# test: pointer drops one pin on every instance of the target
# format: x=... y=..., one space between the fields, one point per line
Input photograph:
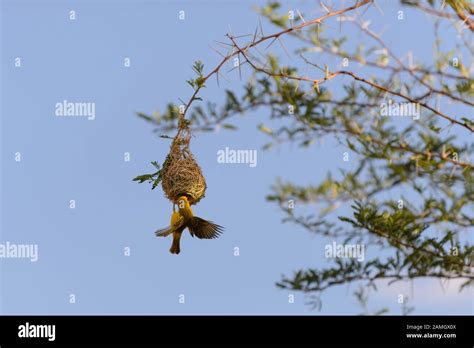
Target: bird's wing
x=164 y=232
x=204 y=229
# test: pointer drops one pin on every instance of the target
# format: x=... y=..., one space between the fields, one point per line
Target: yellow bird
x=184 y=218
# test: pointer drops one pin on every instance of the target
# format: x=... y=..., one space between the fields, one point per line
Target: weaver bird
x=184 y=218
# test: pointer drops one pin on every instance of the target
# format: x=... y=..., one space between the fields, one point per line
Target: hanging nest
x=181 y=174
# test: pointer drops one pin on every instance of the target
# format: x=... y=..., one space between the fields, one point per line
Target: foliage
x=423 y=237
x=154 y=178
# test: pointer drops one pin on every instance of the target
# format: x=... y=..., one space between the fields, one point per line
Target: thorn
x=254 y=58
x=259 y=52
x=271 y=43
x=366 y=9
x=300 y=15
x=261 y=27
x=218 y=73
x=284 y=48
x=235 y=67
x=324 y=6
x=378 y=8
x=215 y=50
x=223 y=43
x=240 y=36
x=255 y=35
x=310 y=63
x=240 y=69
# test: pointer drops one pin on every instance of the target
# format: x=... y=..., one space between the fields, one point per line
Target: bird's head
x=183 y=202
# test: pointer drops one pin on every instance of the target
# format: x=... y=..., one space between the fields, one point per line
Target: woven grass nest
x=181 y=174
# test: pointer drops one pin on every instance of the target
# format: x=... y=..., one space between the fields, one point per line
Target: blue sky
x=81 y=251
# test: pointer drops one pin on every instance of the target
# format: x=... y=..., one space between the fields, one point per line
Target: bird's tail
x=175 y=246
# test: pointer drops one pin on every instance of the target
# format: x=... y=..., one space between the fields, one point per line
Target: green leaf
x=229 y=126
x=191 y=83
x=145 y=116
x=142 y=178
x=265 y=129
x=465 y=87
x=153 y=177
x=198 y=67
